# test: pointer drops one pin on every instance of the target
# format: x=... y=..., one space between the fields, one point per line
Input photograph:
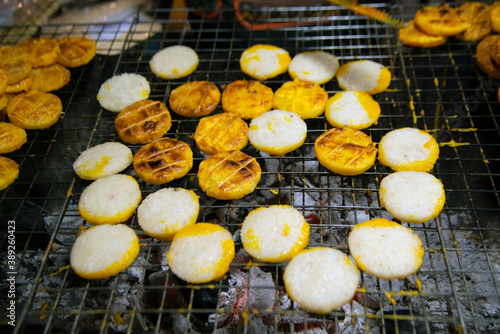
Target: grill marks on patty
x=143 y=121
x=243 y=169
x=229 y=175
x=345 y=151
x=163 y=160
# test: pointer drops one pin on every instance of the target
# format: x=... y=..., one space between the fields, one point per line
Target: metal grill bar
x=440 y=90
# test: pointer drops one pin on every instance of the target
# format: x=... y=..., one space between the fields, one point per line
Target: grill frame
x=43 y=201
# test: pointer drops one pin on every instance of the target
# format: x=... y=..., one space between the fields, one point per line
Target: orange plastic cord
x=258 y=26
x=210 y=15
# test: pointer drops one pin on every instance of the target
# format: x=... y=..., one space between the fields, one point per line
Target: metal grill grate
x=439 y=90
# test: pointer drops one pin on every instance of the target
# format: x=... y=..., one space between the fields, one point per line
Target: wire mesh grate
x=439 y=90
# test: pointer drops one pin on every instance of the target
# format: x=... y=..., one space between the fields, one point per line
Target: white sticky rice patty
x=413 y=197
x=104 y=250
x=315 y=66
x=202 y=255
x=264 y=61
x=277 y=132
x=122 y=90
x=102 y=160
x=406 y=145
x=174 y=62
x=348 y=111
x=321 y=279
x=360 y=75
x=110 y=200
x=164 y=212
x=275 y=233
x=385 y=249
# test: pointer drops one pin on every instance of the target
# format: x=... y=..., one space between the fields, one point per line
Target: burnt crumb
x=245 y=160
x=155 y=163
x=149 y=125
x=153 y=149
x=245 y=172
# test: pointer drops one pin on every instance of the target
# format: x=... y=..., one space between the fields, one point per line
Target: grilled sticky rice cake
x=442 y=20
x=264 y=61
x=321 y=279
x=159 y=215
x=305 y=98
x=195 y=99
x=103 y=251
x=274 y=234
x=495 y=52
x=76 y=51
x=345 y=151
x=174 y=62
x=364 y=76
x=15 y=62
x=50 y=78
x=22 y=86
x=201 y=253
x=4 y=99
x=316 y=66
x=277 y=132
x=413 y=197
x=11 y=137
x=484 y=59
x=43 y=51
x=34 y=109
x=229 y=175
x=4 y=81
x=163 y=160
x=385 y=249
x=143 y=121
x=102 y=160
x=495 y=16
x=408 y=149
x=221 y=133
x=357 y=110
x=110 y=200
x=120 y=91
x=478 y=16
x=247 y=99
x=414 y=36
x=9 y=171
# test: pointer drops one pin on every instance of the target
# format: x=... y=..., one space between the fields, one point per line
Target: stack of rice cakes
x=28 y=72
